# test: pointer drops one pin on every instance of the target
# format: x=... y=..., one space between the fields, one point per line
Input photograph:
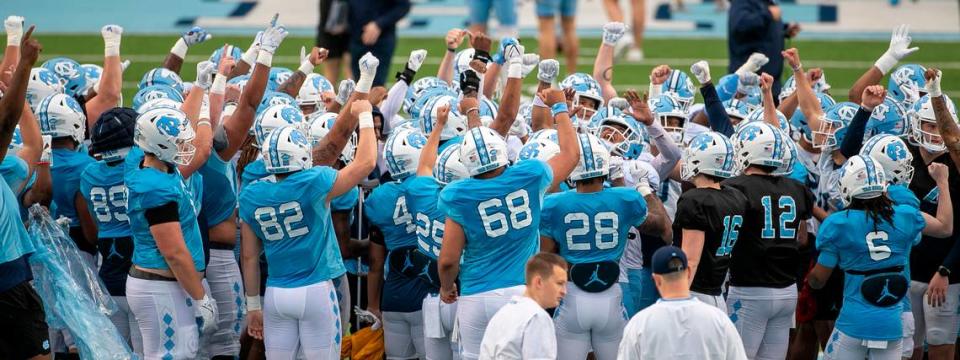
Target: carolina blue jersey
x=849 y=240
x=500 y=218
x=901 y=195
x=106 y=194
x=800 y=173
x=592 y=227
x=219 y=189
x=454 y=140
x=14 y=240
x=422 y=195
x=386 y=207
x=347 y=201
x=254 y=171
x=14 y=171
x=292 y=217
x=195 y=187
x=148 y=188
x=65 y=170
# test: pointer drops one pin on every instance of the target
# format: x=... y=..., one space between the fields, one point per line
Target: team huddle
x=222 y=211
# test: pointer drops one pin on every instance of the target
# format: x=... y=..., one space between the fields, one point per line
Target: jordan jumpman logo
x=886 y=291
x=113 y=251
x=426 y=273
x=406 y=263
x=596 y=277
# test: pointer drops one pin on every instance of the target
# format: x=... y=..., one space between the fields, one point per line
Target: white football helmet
x=541 y=149
x=161 y=102
x=166 y=133
x=286 y=149
x=402 y=152
x=548 y=134
x=61 y=116
x=320 y=125
x=922 y=113
x=311 y=93
x=757 y=115
x=709 y=153
x=789 y=159
x=43 y=82
x=456 y=122
x=892 y=154
x=483 y=150
x=861 y=178
x=275 y=117
x=449 y=168
x=759 y=143
x=594 y=159
x=162 y=76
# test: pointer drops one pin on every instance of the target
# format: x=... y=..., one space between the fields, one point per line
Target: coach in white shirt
x=522 y=329
x=678 y=326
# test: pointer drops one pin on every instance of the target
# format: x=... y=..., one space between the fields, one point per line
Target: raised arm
x=108 y=89
x=249 y=58
x=366 y=158
x=658 y=76
x=199 y=116
x=941 y=226
x=805 y=96
x=391 y=105
x=547 y=72
x=670 y=153
x=872 y=97
x=328 y=150
x=946 y=122
x=178 y=52
x=716 y=114
x=899 y=48
x=428 y=156
x=453 y=40
x=13 y=26
x=564 y=162
x=603 y=64
x=13 y=101
x=307 y=62
x=510 y=101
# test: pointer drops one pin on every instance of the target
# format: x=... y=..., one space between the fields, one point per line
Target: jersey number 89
x=109 y=203
x=495 y=221
x=288 y=213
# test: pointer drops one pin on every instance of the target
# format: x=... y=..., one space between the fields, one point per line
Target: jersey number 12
x=788 y=213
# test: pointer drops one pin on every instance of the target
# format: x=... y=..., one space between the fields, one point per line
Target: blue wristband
x=557 y=108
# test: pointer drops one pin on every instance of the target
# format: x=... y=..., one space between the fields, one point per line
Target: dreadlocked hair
x=878 y=209
x=248 y=154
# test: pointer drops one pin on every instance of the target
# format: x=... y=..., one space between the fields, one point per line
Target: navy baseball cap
x=662 y=258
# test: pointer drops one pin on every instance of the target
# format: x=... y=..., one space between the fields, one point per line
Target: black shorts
x=337 y=45
x=24 y=331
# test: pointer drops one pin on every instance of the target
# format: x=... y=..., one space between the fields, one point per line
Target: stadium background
x=843 y=37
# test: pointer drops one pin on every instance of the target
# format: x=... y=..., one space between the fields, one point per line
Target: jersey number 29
x=288 y=213
x=495 y=220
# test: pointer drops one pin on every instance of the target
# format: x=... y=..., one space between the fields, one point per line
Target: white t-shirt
x=681 y=329
x=519 y=330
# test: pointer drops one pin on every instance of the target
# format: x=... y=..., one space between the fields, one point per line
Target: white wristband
x=644 y=190
x=364 y=84
x=265 y=58
x=253 y=303
x=515 y=70
x=180 y=49
x=250 y=56
x=306 y=67
x=366 y=120
x=885 y=63
x=219 y=84
x=14 y=39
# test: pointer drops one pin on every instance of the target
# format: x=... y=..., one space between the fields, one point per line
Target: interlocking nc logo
x=750 y=133
x=896 y=151
x=169 y=125
x=66 y=69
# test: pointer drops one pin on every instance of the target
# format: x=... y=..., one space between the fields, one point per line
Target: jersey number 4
x=788 y=213
x=288 y=213
x=494 y=219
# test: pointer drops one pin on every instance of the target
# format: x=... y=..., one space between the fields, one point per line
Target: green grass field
x=842 y=61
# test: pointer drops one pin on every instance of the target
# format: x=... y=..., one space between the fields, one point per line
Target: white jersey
x=632 y=169
x=514 y=144
x=519 y=330
x=680 y=329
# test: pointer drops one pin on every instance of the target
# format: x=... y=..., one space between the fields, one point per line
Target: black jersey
x=766 y=254
x=932 y=252
x=719 y=214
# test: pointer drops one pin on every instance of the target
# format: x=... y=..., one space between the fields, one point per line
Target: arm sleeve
x=391 y=106
x=719 y=121
x=540 y=339
x=670 y=153
x=162 y=214
x=748 y=18
x=854 y=139
x=393 y=14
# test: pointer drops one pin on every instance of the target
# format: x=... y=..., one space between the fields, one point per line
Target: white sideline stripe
x=834 y=64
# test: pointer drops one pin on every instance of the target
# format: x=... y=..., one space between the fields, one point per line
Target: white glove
x=613 y=31
x=619 y=103
x=111 y=39
x=368 y=70
x=205 y=71
x=899 y=49
x=513 y=51
x=250 y=56
x=125 y=64
x=14 y=27
x=639 y=173
x=616 y=167
x=46 y=155
x=747 y=81
x=415 y=60
x=548 y=70
x=271 y=38
x=345 y=90
x=195 y=36
x=530 y=62
x=701 y=70
x=933 y=85
x=518 y=129
x=753 y=63
x=205 y=311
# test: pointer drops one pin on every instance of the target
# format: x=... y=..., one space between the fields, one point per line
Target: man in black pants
x=372 y=27
x=335 y=40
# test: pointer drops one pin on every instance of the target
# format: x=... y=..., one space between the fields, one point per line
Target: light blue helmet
x=906 y=84
x=162 y=76
x=402 y=152
x=584 y=86
x=680 y=88
x=239 y=81
x=887 y=118
x=274 y=117
x=727 y=86
x=542 y=149
x=70 y=74
x=799 y=122
x=235 y=53
x=92 y=72
x=753 y=98
x=833 y=125
x=603 y=112
x=757 y=115
x=277 y=76
x=271 y=98
x=419 y=87
x=154 y=92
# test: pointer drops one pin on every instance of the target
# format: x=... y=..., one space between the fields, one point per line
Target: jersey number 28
x=605 y=225
x=288 y=213
x=494 y=219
